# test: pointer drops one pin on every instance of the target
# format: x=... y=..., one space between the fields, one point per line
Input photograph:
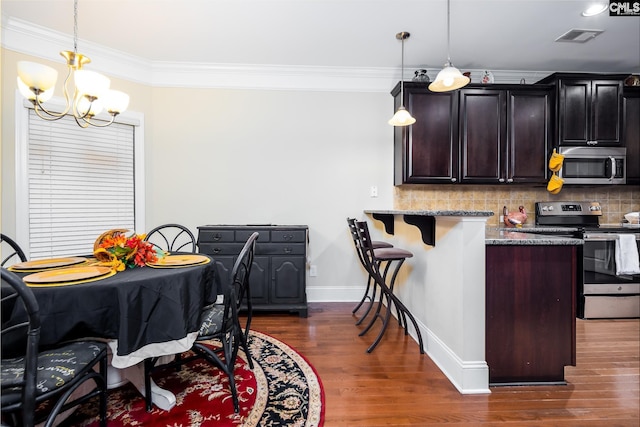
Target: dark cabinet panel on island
x=530 y=313
x=278 y=274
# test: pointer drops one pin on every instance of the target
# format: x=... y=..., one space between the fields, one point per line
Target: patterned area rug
x=282 y=390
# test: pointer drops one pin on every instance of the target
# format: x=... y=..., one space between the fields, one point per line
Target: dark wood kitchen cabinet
x=278 y=275
x=505 y=134
x=530 y=312
x=589 y=109
x=631 y=132
x=427 y=151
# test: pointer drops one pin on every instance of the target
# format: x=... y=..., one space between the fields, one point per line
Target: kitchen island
x=445 y=283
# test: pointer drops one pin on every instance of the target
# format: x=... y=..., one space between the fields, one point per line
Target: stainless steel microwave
x=593 y=165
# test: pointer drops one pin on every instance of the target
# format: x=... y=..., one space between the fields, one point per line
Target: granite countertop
x=539 y=229
x=438 y=212
x=494 y=236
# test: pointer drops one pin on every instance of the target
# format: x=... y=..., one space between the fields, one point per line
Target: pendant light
x=449 y=78
x=91 y=93
x=402 y=117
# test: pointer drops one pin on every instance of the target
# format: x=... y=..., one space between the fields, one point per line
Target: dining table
x=141 y=312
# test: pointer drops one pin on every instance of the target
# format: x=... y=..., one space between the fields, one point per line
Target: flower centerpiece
x=113 y=248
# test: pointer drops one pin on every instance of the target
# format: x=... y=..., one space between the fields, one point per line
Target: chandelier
x=91 y=95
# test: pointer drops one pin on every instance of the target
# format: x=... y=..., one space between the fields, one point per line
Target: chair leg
x=372 y=299
x=385 y=323
x=103 y=393
x=379 y=307
x=364 y=297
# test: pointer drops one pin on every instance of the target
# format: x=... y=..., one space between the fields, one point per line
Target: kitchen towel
x=627 y=255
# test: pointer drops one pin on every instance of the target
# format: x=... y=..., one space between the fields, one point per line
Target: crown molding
x=30 y=39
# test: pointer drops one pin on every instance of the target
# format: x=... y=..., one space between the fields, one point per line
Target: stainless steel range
x=603 y=291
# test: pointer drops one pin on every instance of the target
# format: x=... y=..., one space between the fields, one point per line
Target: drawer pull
x=217 y=250
x=288 y=250
x=217 y=236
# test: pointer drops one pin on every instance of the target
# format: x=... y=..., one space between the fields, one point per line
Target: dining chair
x=373 y=259
x=172 y=238
x=370 y=291
x=30 y=375
x=11 y=251
x=220 y=323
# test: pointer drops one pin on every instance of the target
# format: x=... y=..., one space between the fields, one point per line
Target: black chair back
x=18 y=296
x=172 y=238
x=240 y=274
x=11 y=251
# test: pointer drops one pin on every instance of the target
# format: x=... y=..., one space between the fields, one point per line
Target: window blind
x=81 y=184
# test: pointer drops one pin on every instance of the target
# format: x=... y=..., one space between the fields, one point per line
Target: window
x=73 y=184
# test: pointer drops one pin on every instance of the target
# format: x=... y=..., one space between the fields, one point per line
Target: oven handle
x=604 y=237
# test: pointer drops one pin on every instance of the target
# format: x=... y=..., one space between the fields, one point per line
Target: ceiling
x=353 y=34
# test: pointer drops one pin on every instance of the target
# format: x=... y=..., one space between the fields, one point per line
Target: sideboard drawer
x=281 y=249
x=206 y=236
x=288 y=236
x=213 y=249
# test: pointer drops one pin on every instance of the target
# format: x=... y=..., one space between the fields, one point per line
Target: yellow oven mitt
x=555 y=162
x=555 y=184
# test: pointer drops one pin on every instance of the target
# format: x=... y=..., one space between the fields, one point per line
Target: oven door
x=605 y=293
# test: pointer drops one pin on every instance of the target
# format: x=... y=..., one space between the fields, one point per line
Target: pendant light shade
x=450 y=78
x=402 y=117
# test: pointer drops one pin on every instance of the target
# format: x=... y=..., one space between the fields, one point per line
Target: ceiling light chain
x=36 y=82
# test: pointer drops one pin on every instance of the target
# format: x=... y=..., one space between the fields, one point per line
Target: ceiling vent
x=579 y=36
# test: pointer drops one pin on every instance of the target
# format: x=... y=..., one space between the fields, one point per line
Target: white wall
x=217 y=156
x=277 y=157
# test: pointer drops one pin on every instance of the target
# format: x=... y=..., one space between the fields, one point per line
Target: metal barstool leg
x=379 y=307
x=388 y=292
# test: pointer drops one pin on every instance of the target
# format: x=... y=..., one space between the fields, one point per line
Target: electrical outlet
x=374 y=191
x=313 y=270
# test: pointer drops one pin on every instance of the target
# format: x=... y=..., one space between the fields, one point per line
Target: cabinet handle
x=453 y=179
x=510 y=180
x=500 y=179
x=288 y=250
x=287 y=236
x=217 y=236
x=216 y=250
x=592 y=142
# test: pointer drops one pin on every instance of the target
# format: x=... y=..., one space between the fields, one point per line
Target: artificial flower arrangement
x=114 y=249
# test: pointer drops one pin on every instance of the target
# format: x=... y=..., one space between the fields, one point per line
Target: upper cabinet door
x=631 y=133
x=589 y=112
x=529 y=135
x=426 y=152
x=482 y=128
x=574 y=112
x=606 y=104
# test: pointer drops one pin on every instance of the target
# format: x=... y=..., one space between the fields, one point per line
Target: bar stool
x=370 y=291
x=373 y=259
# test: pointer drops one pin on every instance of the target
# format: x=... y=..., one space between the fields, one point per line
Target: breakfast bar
x=451 y=287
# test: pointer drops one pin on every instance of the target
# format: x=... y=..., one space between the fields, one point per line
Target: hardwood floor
x=396 y=386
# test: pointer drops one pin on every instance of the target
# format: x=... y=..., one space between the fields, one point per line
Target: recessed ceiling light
x=595 y=9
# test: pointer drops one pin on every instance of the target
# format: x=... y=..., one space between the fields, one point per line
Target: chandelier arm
x=89 y=121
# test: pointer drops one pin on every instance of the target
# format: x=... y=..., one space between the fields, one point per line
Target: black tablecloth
x=137 y=307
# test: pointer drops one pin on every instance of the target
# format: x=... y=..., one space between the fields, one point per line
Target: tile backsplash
x=615 y=200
